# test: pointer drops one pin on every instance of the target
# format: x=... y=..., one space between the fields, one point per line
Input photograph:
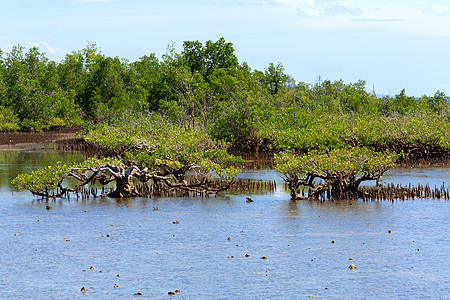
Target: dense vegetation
x=205 y=87
x=164 y=117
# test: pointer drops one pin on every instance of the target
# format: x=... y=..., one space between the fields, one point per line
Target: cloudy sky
x=392 y=44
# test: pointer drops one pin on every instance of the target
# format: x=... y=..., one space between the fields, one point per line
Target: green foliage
x=212 y=56
x=42 y=179
x=338 y=172
x=8 y=119
x=29 y=88
x=47 y=179
x=355 y=161
x=152 y=142
x=324 y=132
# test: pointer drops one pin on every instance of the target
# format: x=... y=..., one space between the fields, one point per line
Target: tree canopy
x=338 y=172
x=203 y=86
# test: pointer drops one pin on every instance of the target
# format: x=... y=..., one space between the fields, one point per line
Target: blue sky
x=392 y=44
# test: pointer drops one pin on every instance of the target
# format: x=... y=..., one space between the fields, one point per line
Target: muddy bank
x=10 y=140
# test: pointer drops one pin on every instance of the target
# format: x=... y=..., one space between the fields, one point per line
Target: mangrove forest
x=185 y=120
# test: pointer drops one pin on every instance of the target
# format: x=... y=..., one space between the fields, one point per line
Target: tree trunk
x=124 y=188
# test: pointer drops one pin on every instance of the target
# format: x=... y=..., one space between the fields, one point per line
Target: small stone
x=247 y=255
x=92 y=268
x=263 y=257
x=389 y=231
x=84 y=290
x=118 y=275
x=107 y=235
x=138 y=294
x=38 y=220
x=86 y=211
x=350 y=258
x=352 y=266
x=332 y=242
x=48 y=207
x=229 y=238
x=176 y=222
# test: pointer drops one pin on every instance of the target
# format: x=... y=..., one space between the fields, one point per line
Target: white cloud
x=55 y=53
x=439 y=8
x=313 y=8
x=317 y=8
x=417 y=17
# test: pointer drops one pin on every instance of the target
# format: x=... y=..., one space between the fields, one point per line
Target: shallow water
x=47 y=254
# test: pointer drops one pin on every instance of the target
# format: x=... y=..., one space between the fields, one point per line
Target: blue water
x=47 y=254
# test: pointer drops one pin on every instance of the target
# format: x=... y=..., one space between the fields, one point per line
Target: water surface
x=401 y=248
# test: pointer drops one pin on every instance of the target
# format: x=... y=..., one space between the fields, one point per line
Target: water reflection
x=433 y=176
x=13 y=163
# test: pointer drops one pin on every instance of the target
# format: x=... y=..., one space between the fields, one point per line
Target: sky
x=391 y=44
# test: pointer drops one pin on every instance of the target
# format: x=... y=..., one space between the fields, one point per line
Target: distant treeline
x=205 y=87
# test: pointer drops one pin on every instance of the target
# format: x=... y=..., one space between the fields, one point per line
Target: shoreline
x=67 y=140
x=19 y=140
